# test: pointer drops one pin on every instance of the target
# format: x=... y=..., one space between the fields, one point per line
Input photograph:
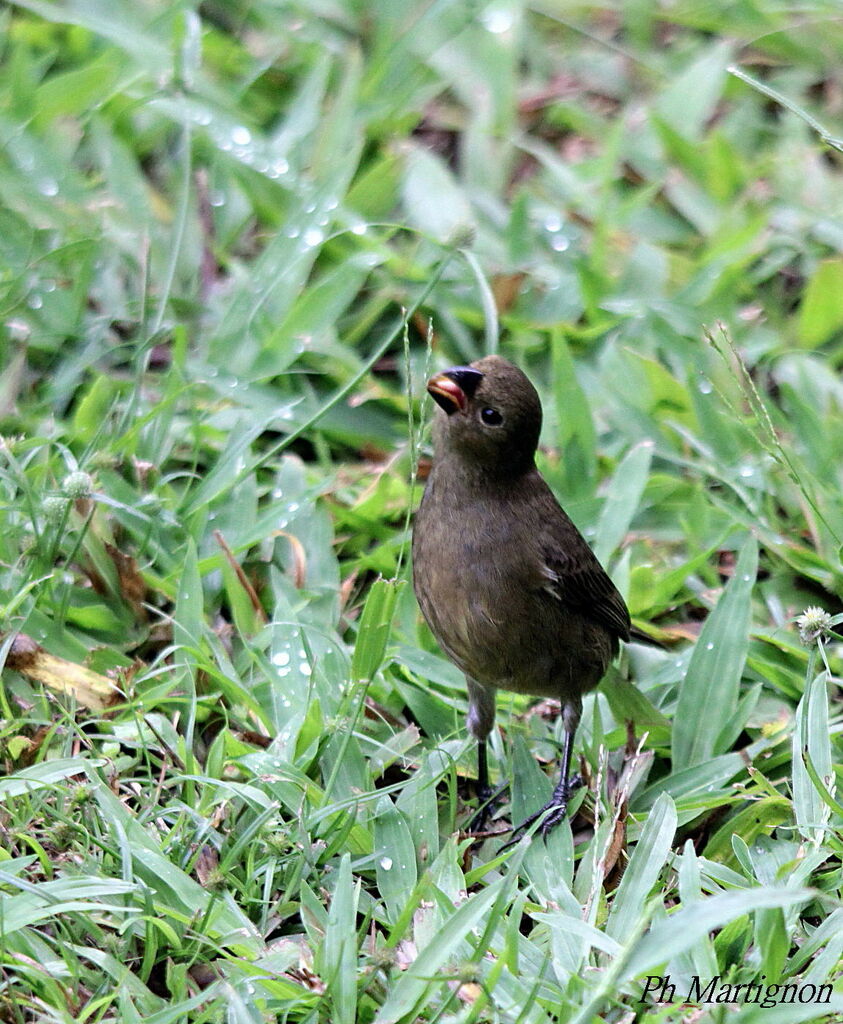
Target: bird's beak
x=453 y=389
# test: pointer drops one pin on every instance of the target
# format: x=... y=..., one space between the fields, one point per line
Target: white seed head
x=813 y=624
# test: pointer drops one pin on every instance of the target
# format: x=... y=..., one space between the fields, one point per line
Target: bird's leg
x=558 y=803
x=554 y=810
x=487 y=797
x=481 y=717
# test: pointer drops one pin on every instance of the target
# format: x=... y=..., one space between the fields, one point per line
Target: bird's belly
x=527 y=645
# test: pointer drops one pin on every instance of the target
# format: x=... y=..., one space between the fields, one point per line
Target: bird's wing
x=570 y=570
x=580 y=582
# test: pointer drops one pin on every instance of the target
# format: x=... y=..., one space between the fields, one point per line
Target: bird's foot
x=552 y=813
x=488 y=799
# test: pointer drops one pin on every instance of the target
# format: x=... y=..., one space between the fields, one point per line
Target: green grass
x=234 y=237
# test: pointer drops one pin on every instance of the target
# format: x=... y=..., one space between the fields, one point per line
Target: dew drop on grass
x=35 y=302
x=48 y=187
x=305 y=668
x=313 y=237
x=709 y=646
x=705 y=386
x=559 y=243
x=386 y=863
x=281 y=658
x=498 y=20
x=553 y=223
x=746 y=471
x=241 y=136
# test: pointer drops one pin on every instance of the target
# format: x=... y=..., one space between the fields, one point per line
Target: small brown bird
x=508 y=585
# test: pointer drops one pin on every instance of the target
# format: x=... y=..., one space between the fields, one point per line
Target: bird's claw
x=553 y=812
x=488 y=799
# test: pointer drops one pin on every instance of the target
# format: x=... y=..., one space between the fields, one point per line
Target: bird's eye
x=491 y=417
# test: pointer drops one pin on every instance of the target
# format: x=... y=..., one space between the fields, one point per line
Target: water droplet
x=359 y=228
x=49 y=285
x=293 y=507
x=746 y=578
x=202 y=117
x=386 y=863
x=48 y=187
x=241 y=136
x=747 y=471
x=705 y=386
x=305 y=668
x=35 y=302
x=291 y=231
x=497 y=20
x=313 y=237
x=709 y=646
x=281 y=658
x=553 y=223
x=285 y=671
x=280 y=167
x=217 y=199
x=559 y=243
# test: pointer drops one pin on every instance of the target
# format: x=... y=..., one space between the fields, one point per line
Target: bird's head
x=491 y=415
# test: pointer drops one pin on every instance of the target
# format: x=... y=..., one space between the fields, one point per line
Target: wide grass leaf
x=622 y=499
x=375 y=626
x=338 y=961
x=811 y=740
x=38 y=776
x=410 y=991
x=709 y=694
x=647 y=860
x=681 y=931
x=395 y=857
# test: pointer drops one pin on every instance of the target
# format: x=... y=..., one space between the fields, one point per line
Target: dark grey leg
x=554 y=810
x=481 y=718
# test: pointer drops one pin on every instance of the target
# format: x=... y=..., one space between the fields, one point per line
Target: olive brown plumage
x=509 y=587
